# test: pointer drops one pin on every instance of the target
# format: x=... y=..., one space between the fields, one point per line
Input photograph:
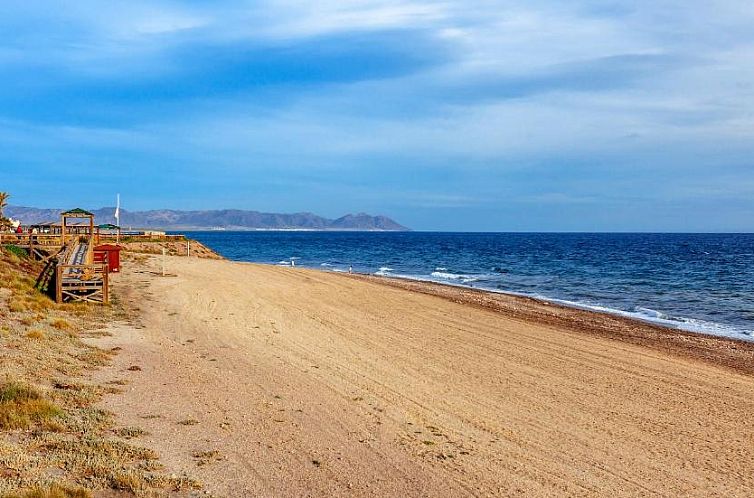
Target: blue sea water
x=696 y=282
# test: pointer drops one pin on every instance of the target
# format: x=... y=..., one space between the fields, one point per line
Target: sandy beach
x=269 y=381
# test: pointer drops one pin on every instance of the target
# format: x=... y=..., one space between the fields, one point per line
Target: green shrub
x=15 y=250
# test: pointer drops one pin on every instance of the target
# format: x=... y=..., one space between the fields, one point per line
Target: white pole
x=188 y=248
x=117 y=219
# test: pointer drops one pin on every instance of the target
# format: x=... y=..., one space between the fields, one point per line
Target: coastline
x=737 y=354
x=676 y=280
x=668 y=324
x=270 y=381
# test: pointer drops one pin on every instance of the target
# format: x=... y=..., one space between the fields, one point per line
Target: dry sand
x=309 y=383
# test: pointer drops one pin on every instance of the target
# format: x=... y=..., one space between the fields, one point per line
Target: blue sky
x=446 y=115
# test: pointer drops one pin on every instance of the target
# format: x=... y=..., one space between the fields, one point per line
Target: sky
x=446 y=115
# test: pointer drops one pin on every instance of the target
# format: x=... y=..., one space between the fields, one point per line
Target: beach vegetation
x=22 y=405
x=35 y=334
x=206 y=457
x=52 y=491
x=17 y=307
x=14 y=250
x=130 y=432
x=48 y=413
x=61 y=324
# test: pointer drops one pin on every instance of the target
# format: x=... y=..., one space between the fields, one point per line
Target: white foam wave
x=384 y=271
x=455 y=276
x=658 y=318
x=639 y=313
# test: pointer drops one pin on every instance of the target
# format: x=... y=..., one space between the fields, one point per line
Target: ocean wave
x=650 y=313
x=657 y=317
x=456 y=276
x=639 y=313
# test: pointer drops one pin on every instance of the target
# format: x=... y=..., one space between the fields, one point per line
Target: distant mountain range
x=228 y=219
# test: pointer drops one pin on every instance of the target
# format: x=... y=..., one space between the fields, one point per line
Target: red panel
x=109 y=252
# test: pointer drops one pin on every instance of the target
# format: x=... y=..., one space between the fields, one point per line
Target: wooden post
x=62 y=229
x=164 y=251
x=58 y=284
x=106 y=285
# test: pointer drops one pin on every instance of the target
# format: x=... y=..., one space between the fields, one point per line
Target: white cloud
x=297 y=18
x=709 y=98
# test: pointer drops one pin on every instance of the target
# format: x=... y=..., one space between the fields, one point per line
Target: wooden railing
x=43 y=240
x=92 y=279
x=125 y=238
x=31 y=239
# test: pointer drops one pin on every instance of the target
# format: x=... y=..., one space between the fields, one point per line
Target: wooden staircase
x=78 y=277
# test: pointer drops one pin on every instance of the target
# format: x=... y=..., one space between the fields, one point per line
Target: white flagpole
x=117 y=219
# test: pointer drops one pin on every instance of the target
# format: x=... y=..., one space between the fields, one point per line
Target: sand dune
x=308 y=383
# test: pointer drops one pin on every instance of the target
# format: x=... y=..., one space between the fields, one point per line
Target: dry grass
x=130 y=432
x=22 y=406
x=52 y=491
x=48 y=414
x=35 y=334
x=17 y=307
x=207 y=457
x=61 y=324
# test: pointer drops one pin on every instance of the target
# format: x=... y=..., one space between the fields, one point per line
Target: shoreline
x=680 y=281
x=667 y=325
x=737 y=354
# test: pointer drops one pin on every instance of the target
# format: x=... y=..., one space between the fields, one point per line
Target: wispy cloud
x=553 y=101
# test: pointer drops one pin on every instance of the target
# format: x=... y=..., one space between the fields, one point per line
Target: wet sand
x=309 y=383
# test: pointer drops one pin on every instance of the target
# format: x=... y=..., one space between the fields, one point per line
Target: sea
x=694 y=282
